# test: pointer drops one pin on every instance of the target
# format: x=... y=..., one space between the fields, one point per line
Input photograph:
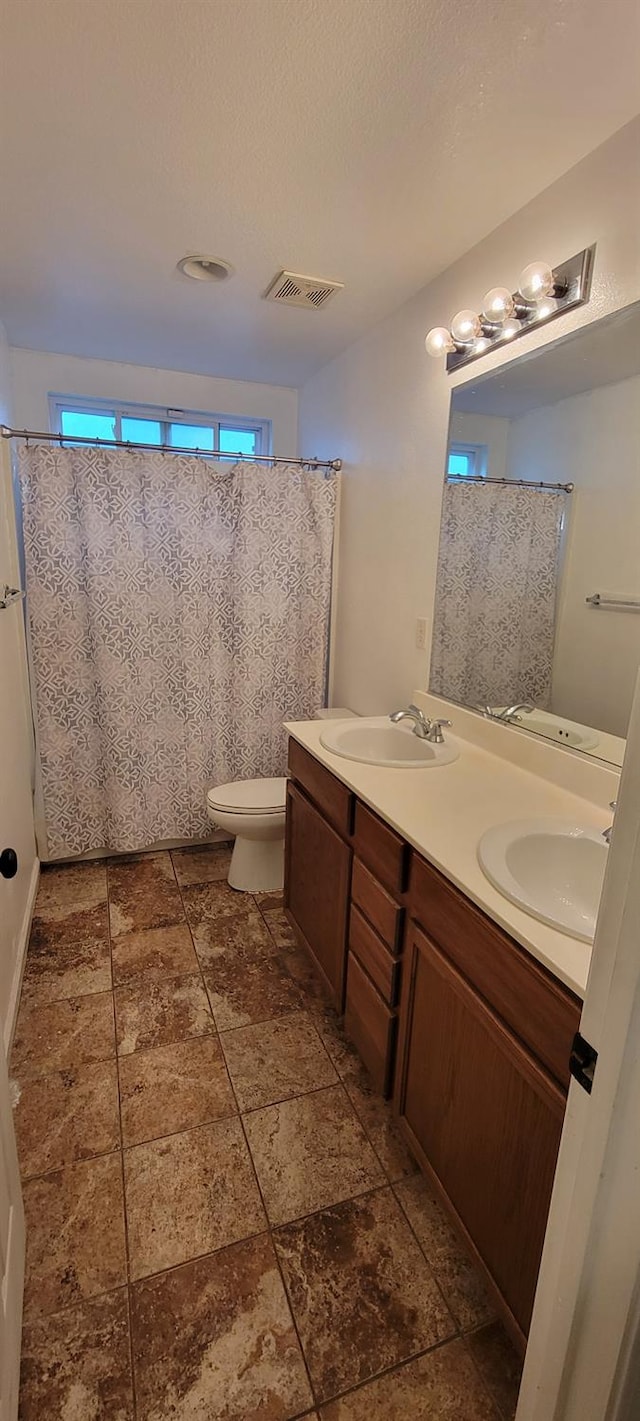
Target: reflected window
x=467 y=461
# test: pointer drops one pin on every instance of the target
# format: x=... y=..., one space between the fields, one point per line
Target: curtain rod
x=517 y=483
x=64 y=439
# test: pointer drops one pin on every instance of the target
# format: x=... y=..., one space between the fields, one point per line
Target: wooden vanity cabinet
x=481 y=1081
x=318 y=855
x=470 y=1033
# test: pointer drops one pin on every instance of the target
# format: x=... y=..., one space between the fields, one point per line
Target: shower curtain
x=179 y=612
x=495 y=605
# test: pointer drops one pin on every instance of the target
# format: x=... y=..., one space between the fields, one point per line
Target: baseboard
x=21 y=957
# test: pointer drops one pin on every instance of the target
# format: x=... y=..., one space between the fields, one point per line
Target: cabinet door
x=317 y=882
x=484 y=1118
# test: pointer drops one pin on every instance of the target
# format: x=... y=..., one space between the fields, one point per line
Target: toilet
x=254 y=811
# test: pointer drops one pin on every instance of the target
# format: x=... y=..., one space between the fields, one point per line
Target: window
x=218 y=434
x=467 y=461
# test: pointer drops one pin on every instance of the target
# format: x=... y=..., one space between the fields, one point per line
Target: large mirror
x=537 y=616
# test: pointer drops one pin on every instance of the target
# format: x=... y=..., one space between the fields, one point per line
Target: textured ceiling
x=369 y=141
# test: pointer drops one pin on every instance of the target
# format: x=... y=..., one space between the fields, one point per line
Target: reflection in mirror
x=537 y=615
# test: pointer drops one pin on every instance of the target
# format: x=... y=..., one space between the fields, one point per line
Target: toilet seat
x=250 y=796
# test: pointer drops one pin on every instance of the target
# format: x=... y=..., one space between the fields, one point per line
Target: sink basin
x=552 y=868
x=377 y=742
x=564 y=732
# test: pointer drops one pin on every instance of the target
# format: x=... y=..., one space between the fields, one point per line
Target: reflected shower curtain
x=495 y=611
x=179 y=612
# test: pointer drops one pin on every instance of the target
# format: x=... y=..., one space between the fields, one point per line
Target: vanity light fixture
x=544 y=292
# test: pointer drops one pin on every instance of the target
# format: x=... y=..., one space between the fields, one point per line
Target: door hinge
x=582 y=1062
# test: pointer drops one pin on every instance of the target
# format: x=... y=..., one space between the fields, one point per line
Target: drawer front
x=377 y=905
x=382 y=850
x=543 y=1013
x=376 y=959
x=331 y=796
x=370 y=1026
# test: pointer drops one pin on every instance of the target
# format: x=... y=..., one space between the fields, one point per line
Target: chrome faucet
x=606 y=833
x=421 y=725
x=435 y=736
x=511 y=712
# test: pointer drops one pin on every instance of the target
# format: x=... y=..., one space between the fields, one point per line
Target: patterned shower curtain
x=179 y=612
x=496 y=594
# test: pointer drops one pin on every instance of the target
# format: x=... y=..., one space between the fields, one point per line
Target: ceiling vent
x=288 y=288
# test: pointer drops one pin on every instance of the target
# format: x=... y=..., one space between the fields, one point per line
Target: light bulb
x=465 y=326
x=546 y=308
x=479 y=346
x=536 y=281
x=497 y=305
x=510 y=329
x=439 y=342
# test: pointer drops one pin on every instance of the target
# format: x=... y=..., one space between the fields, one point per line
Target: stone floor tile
x=76 y=1366
x=280 y=927
x=189 y=1194
x=215 y=1339
x=208 y=902
x=310 y=1152
x=57 y=1036
x=242 y=937
x=143 y=893
x=441 y=1386
x=500 y=1365
x=67 y=889
x=275 y=1060
x=251 y=990
x=68 y=956
x=75 y=1235
x=153 y=951
x=67 y=1116
x=206 y=863
x=265 y=901
x=154 y=1012
x=173 y=1088
x=362 y=1295
x=456 y=1274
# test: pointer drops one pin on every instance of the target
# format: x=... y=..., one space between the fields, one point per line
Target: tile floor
x=223 y=1222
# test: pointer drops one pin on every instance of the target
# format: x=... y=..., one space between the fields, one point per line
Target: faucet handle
x=435 y=731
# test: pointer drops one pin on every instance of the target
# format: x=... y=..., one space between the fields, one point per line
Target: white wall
x=593 y=441
x=383 y=405
x=487 y=429
x=16 y=760
x=36 y=375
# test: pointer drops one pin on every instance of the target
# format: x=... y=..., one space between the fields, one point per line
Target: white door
x=11 y=1253
x=582 y=1360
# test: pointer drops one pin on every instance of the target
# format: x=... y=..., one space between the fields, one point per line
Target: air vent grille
x=291 y=289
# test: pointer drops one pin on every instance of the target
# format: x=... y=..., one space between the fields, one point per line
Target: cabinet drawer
x=382 y=850
x=331 y=796
x=377 y=905
x=542 y=1012
x=372 y=954
x=370 y=1026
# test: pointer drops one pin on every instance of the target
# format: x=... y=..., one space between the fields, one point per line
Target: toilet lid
x=250 y=796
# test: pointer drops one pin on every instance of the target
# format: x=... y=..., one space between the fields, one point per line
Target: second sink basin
x=375 y=741
x=552 y=868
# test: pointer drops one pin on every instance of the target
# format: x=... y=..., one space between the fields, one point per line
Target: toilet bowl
x=254 y=812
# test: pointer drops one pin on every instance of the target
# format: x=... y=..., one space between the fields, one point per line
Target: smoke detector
x=289 y=288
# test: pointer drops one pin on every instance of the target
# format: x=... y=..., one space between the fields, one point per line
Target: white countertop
x=443 y=811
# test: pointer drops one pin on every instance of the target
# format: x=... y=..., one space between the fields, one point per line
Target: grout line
x=259 y=1189
x=125 y=1216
